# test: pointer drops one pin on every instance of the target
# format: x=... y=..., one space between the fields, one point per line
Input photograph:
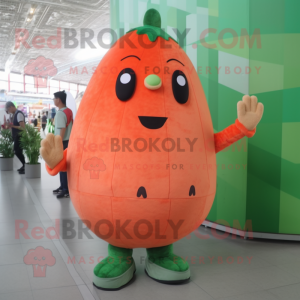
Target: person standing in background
x=44 y=121
x=53 y=113
x=63 y=127
x=17 y=124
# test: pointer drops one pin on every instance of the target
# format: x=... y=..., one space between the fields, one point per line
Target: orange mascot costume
x=142 y=125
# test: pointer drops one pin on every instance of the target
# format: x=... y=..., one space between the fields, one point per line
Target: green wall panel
x=289 y=219
x=265 y=189
x=291 y=105
x=264 y=207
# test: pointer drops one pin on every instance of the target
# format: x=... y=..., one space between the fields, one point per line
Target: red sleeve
x=60 y=167
x=231 y=134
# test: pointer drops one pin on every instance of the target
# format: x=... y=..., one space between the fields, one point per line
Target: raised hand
x=52 y=150
x=250 y=112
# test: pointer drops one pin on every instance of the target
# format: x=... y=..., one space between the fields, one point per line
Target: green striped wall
x=257 y=178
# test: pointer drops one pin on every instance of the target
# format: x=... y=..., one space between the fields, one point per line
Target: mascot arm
x=60 y=167
x=231 y=134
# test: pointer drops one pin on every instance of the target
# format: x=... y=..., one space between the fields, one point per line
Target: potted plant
x=50 y=126
x=31 y=142
x=6 y=150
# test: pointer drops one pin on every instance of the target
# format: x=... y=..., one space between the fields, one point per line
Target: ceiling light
x=32 y=11
x=28 y=19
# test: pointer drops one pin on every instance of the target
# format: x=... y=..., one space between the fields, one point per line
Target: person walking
x=17 y=125
x=44 y=121
x=63 y=127
x=39 y=118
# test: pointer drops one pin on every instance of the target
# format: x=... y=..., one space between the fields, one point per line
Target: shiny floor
x=234 y=269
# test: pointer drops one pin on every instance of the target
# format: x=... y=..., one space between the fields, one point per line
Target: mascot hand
x=250 y=112
x=52 y=150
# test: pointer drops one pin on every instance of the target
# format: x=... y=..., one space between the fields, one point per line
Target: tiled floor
x=233 y=269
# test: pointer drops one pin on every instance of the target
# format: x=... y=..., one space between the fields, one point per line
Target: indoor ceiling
x=43 y=18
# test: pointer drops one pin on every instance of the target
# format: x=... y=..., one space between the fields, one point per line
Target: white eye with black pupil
x=125 y=84
x=180 y=87
x=125 y=78
x=181 y=80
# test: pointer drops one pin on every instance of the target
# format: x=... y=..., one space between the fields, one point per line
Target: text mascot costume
x=142 y=128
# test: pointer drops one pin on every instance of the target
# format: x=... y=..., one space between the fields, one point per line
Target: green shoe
x=165 y=267
x=116 y=270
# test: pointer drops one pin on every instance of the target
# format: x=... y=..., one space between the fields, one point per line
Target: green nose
x=153 y=82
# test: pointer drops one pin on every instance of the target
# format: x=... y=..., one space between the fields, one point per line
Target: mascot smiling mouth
x=153 y=122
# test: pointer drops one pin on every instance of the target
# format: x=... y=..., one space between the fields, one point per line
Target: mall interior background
x=251 y=49
x=257 y=177
x=46 y=20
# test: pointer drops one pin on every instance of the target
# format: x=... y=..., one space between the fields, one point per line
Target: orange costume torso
x=149 y=190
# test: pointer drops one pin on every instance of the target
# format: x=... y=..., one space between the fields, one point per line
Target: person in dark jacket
x=17 y=125
x=44 y=121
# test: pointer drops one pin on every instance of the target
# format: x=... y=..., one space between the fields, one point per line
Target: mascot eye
x=180 y=87
x=125 y=85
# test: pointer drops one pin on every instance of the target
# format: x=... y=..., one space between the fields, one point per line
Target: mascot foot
x=116 y=270
x=165 y=267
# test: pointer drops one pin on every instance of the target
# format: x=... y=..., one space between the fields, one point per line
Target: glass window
x=82 y=88
x=64 y=85
x=16 y=77
x=43 y=90
x=3 y=85
x=29 y=79
x=3 y=75
x=52 y=91
x=54 y=83
x=30 y=88
x=73 y=86
x=17 y=87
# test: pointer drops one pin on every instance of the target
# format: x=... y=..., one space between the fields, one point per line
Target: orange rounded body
x=104 y=179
